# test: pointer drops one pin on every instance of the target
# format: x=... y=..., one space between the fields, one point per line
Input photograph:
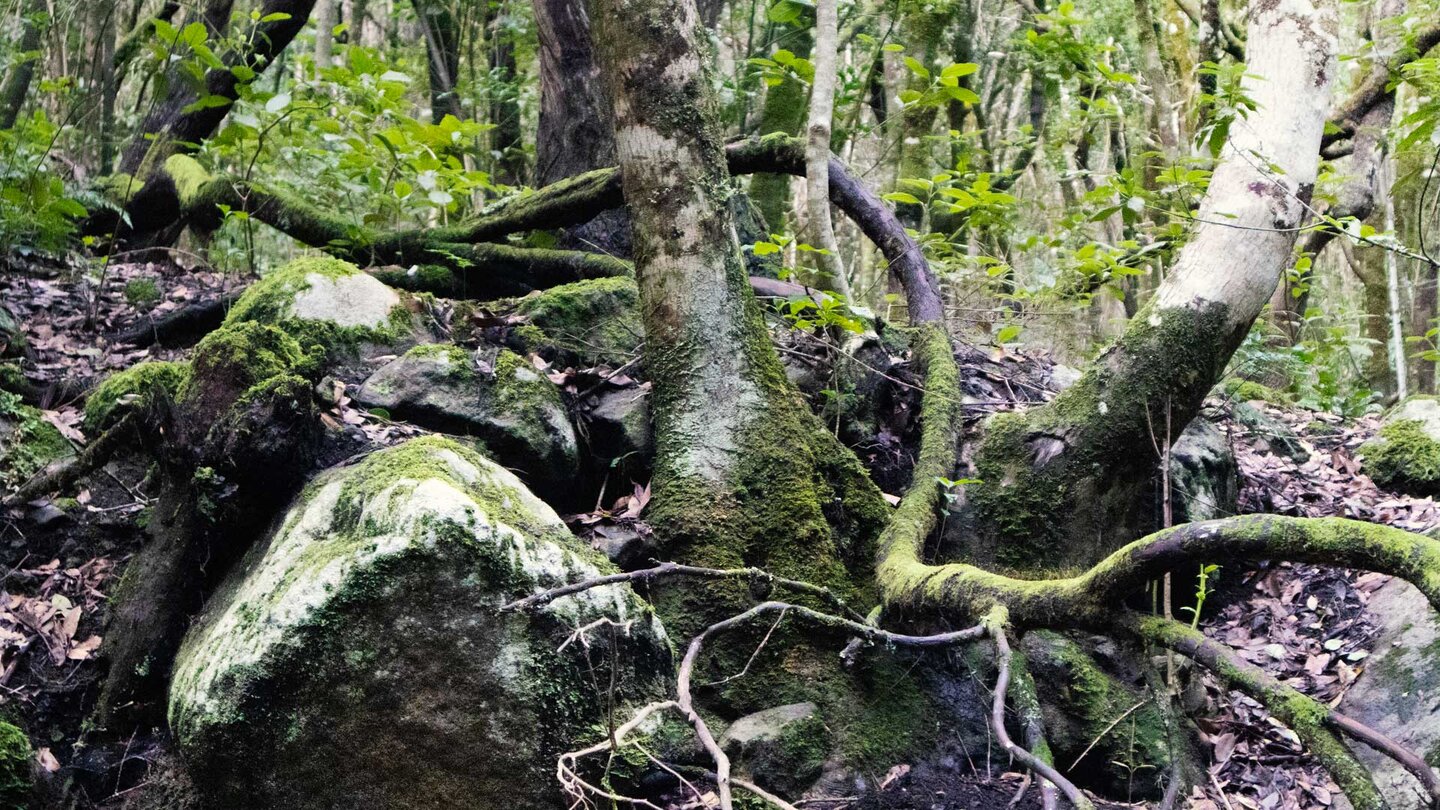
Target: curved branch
x=1346 y=118
x=1304 y=715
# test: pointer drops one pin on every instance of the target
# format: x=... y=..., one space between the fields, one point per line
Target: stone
x=626 y=546
x=590 y=322
x=1405 y=454
x=29 y=444
x=357 y=657
x=516 y=411
x=12 y=335
x=619 y=426
x=1398 y=691
x=320 y=300
x=1204 y=478
x=1277 y=436
x=783 y=749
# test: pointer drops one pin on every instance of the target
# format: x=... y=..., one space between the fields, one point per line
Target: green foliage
x=37 y=210
x=1224 y=106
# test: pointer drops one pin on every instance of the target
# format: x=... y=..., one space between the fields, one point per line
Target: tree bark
x=742 y=466
x=1061 y=481
x=169 y=128
x=783 y=111
x=817 y=150
x=442 y=49
x=17 y=83
x=325 y=16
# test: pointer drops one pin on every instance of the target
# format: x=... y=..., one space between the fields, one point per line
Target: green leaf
x=277 y=102
x=1008 y=334
x=958 y=69
x=915 y=67
x=766 y=248
x=901 y=197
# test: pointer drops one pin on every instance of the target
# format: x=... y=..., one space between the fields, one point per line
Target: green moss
x=243 y=355
x=12 y=378
x=188 y=176
x=597 y=319
x=28 y=443
x=15 y=757
x=1061 y=480
x=1249 y=390
x=1404 y=457
x=520 y=388
x=271 y=300
x=139 y=386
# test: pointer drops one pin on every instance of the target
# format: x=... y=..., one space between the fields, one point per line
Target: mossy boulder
x=28 y=443
x=1204 y=477
x=1405 y=456
x=358 y=656
x=782 y=749
x=325 y=301
x=1398 y=692
x=502 y=400
x=136 y=387
x=594 y=321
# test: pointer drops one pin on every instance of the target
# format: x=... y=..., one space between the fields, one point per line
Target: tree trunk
x=744 y=473
x=577 y=130
x=817 y=150
x=1060 y=481
x=169 y=126
x=17 y=84
x=325 y=16
x=442 y=48
x=783 y=111
x=505 y=139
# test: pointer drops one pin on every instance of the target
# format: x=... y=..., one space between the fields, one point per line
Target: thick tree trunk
x=744 y=473
x=1060 y=481
x=577 y=130
x=17 y=83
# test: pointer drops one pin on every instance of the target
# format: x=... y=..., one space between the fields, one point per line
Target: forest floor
x=1307 y=625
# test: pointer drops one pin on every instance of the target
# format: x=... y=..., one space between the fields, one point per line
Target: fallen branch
x=96 y=455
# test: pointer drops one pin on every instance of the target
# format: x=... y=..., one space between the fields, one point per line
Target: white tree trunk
x=817 y=151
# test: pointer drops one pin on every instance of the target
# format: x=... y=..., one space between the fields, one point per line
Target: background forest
x=387 y=418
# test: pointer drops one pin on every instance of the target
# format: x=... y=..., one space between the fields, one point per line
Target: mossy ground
x=28 y=443
x=15 y=759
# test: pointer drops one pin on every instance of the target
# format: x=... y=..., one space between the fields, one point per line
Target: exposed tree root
x=96 y=455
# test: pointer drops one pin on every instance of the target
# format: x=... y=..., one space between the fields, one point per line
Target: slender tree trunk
x=817 y=152
x=1061 y=481
x=783 y=111
x=325 y=16
x=17 y=83
x=442 y=48
x=505 y=138
x=169 y=125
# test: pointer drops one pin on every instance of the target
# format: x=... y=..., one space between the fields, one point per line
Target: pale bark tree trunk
x=817 y=151
x=1357 y=196
x=325 y=15
x=442 y=49
x=1061 y=480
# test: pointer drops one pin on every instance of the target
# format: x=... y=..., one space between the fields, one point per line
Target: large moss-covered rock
x=514 y=409
x=1405 y=456
x=357 y=658
x=596 y=321
x=15 y=767
x=328 y=302
x=1398 y=692
x=28 y=443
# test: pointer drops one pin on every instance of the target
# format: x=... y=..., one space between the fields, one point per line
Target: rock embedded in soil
x=357 y=658
x=507 y=404
x=1405 y=455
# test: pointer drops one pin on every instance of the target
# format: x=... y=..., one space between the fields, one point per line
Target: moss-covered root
x=901 y=570
x=1027 y=709
x=1088 y=600
x=1307 y=717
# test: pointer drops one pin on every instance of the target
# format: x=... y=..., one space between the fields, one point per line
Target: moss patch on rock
x=328 y=302
x=135 y=387
x=15 y=759
x=1404 y=457
x=598 y=320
